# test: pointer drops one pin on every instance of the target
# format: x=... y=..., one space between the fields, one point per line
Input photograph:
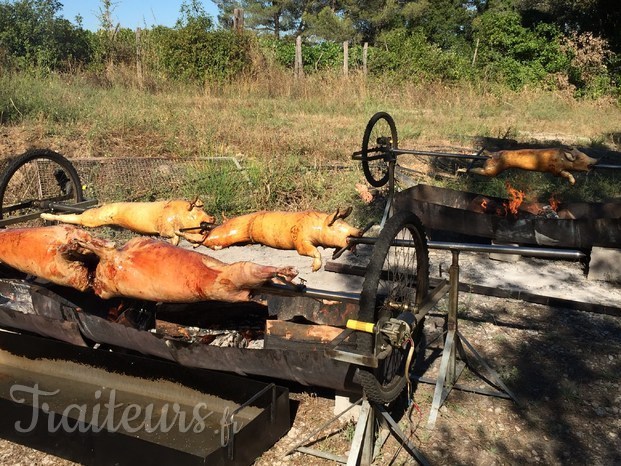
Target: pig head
x=557 y=161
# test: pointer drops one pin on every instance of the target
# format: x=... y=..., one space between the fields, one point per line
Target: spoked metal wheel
x=380 y=136
x=395 y=284
x=34 y=180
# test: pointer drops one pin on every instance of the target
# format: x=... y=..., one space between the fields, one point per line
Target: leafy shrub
x=411 y=57
x=514 y=54
x=196 y=55
x=35 y=37
x=588 y=70
x=315 y=56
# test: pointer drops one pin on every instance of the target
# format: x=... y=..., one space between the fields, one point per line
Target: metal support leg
x=362 y=445
x=391 y=193
x=450 y=366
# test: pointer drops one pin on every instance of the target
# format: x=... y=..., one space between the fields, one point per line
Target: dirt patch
x=562 y=365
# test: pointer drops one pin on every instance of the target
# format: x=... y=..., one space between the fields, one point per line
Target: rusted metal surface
x=30 y=307
x=56 y=317
x=243 y=418
x=447 y=210
x=318 y=311
x=285 y=335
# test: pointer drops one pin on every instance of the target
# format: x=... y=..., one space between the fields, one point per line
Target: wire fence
x=148 y=179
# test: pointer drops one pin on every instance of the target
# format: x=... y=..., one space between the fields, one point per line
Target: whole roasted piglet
x=154 y=270
x=558 y=161
x=302 y=231
x=43 y=252
x=172 y=219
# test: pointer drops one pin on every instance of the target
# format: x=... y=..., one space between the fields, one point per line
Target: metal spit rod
x=381 y=154
x=296 y=290
x=547 y=253
x=476 y=156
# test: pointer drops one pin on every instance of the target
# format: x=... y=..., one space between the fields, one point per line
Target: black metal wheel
x=34 y=180
x=396 y=282
x=380 y=136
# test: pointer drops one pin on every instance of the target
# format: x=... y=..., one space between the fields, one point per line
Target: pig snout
x=337 y=234
x=578 y=160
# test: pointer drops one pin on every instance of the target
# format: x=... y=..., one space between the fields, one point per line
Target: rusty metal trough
x=81 y=319
x=445 y=211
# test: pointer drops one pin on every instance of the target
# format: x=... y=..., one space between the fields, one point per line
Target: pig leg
x=195 y=238
x=486 y=170
x=306 y=248
x=101 y=248
x=96 y=217
x=568 y=176
x=73 y=219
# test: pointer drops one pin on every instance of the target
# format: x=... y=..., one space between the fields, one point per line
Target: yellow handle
x=367 y=327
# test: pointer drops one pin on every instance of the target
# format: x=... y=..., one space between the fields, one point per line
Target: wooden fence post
x=474 y=56
x=365 y=51
x=138 y=57
x=238 y=19
x=346 y=58
x=298 y=66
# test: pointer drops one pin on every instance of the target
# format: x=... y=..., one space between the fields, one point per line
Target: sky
x=130 y=13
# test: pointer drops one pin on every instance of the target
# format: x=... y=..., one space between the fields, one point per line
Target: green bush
x=33 y=35
x=410 y=56
x=315 y=56
x=192 y=54
x=515 y=55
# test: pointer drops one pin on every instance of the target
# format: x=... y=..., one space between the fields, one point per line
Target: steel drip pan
x=105 y=384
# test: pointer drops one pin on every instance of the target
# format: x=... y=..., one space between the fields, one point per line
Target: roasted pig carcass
x=172 y=219
x=558 y=161
x=302 y=231
x=43 y=252
x=154 y=270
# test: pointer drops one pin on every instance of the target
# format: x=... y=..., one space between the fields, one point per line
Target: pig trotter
x=565 y=174
x=286 y=274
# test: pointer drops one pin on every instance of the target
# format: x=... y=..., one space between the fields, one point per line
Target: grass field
x=284 y=129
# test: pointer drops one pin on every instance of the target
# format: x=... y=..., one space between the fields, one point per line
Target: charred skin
x=154 y=270
x=164 y=218
x=43 y=252
x=302 y=231
x=558 y=161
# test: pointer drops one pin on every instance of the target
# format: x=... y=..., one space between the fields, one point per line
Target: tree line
x=572 y=46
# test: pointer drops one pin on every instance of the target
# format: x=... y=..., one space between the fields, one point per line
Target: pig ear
x=570 y=154
x=340 y=213
x=196 y=203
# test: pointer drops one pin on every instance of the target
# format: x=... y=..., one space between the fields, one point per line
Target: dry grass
x=318 y=118
x=279 y=124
